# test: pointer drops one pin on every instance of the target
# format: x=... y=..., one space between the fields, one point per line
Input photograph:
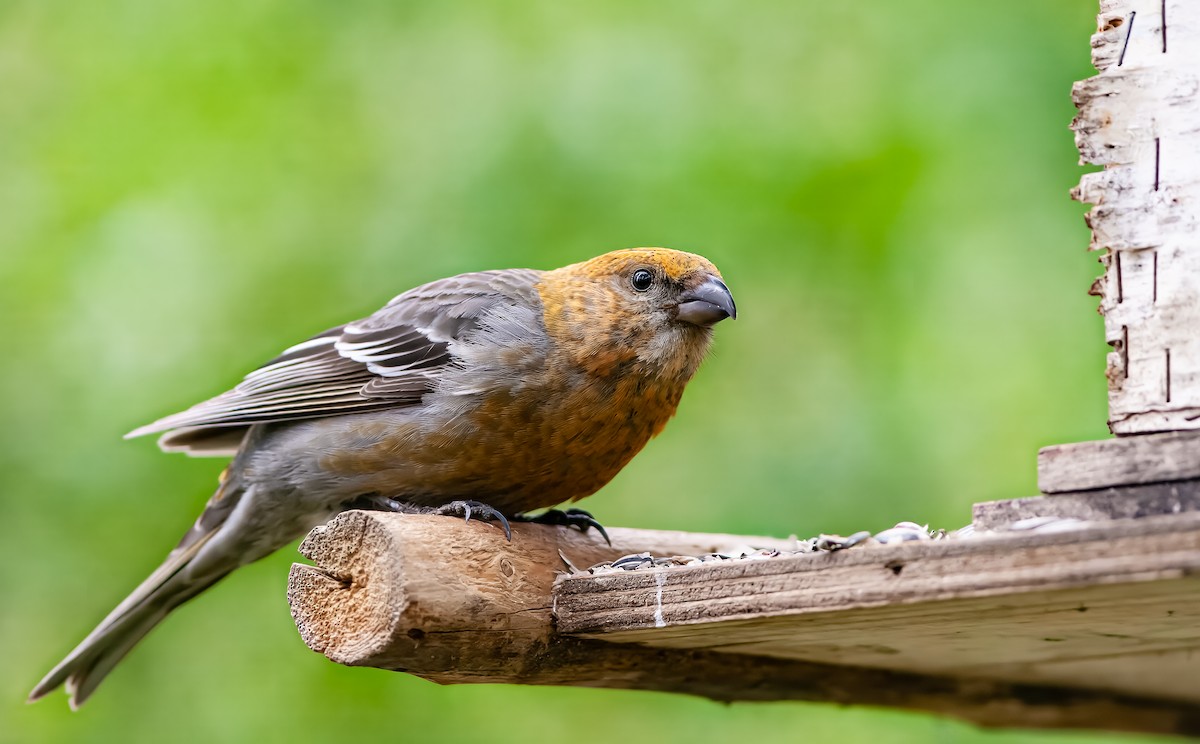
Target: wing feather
x=389 y=359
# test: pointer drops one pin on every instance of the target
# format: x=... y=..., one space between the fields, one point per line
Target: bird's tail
x=91 y=661
x=178 y=579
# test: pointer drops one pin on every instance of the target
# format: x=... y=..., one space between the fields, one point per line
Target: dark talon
x=584 y=520
x=504 y=524
x=468 y=509
x=577 y=518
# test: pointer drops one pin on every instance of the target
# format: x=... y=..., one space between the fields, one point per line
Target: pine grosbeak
x=516 y=389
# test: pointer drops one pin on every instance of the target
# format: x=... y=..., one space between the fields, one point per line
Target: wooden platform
x=1092 y=621
x=1087 y=625
x=1114 y=607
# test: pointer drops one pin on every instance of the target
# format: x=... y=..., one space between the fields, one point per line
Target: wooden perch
x=1090 y=628
x=456 y=602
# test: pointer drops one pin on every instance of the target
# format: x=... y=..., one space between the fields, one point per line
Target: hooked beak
x=707 y=304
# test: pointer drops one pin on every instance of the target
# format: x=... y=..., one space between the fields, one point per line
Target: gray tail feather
x=91 y=661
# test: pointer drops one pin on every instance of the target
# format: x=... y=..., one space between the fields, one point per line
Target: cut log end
x=347 y=606
x=450 y=601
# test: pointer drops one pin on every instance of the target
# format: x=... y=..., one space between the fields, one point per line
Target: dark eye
x=641 y=280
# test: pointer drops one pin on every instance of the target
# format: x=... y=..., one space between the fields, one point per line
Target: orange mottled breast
x=516 y=451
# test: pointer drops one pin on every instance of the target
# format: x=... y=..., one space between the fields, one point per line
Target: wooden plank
x=1123 y=461
x=1107 y=607
x=455 y=602
x=1125 y=502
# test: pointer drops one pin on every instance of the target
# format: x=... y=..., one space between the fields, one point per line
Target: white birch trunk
x=1140 y=119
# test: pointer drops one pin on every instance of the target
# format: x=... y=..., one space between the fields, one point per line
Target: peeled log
x=455 y=602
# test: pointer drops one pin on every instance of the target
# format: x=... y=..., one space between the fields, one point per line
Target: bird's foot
x=476 y=509
x=465 y=509
x=583 y=520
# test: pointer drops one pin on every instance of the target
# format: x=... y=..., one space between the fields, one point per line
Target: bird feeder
x=1090 y=624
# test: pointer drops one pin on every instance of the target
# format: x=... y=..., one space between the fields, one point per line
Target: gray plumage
x=465 y=388
x=390 y=360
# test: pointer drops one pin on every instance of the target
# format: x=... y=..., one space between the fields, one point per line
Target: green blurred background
x=186 y=189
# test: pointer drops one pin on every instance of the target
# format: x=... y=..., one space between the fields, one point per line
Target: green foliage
x=185 y=189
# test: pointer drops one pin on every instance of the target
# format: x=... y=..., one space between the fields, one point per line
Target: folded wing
x=387 y=360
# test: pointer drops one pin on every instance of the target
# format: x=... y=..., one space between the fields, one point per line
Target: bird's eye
x=641 y=280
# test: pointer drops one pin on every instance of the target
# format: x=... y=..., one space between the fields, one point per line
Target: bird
x=487 y=394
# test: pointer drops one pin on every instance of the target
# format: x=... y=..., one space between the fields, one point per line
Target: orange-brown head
x=646 y=311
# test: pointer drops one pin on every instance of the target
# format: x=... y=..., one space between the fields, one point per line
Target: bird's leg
x=583 y=520
x=477 y=509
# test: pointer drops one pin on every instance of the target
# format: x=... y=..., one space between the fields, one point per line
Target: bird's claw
x=578 y=518
x=478 y=510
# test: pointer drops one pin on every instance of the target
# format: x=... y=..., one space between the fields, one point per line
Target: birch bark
x=1140 y=119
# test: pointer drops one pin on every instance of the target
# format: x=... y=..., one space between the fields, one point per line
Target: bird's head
x=653 y=307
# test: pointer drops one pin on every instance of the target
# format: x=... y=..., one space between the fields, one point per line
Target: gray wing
x=387 y=360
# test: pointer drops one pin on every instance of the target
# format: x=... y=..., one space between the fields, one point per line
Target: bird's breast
x=517 y=448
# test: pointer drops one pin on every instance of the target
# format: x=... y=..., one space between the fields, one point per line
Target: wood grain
x=1123 y=461
x=1123 y=502
x=1112 y=608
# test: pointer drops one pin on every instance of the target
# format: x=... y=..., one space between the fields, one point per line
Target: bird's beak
x=707 y=304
